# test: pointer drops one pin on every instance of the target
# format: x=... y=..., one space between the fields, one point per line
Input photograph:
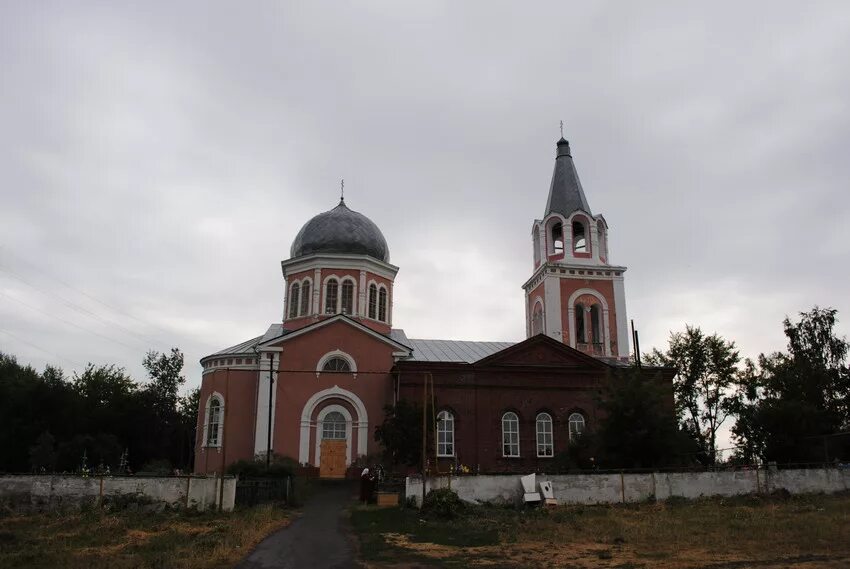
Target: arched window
x=331 y=290
x=373 y=301
x=293 y=300
x=445 y=434
x=214 y=422
x=510 y=434
x=545 y=442
x=382 y=304
x=596 y=325
x=581 y=336
x=347 y=297
x=579 y=237
x=305 y=299
x=336 y=364
x=333 y=427
x=537 y=319
x=576 y=426
x=558 y=238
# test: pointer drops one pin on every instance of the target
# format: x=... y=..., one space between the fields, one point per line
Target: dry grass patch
x=807 y=531
x=94 y=539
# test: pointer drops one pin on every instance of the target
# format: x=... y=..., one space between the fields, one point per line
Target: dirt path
x=316 y=540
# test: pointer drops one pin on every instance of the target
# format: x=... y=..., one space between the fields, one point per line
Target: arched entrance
x=334 y=430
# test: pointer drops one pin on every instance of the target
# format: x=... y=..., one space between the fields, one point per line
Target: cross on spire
x=562 y=129
x=342 y=190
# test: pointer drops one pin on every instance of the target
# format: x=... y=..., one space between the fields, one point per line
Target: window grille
x=545 y=443
x=510 y=434
x=445 y=434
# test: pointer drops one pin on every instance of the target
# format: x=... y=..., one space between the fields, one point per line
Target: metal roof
x=453 y=350
x=247 y=347
x=565 y=194
x=341 y=230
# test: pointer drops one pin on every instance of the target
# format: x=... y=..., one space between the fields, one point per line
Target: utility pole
x=271 y=393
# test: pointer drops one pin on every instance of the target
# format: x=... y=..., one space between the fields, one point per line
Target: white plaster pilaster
x=317 y=291
x=622 y=320
x=361 y=296
x=552 y=306
x=261 y=432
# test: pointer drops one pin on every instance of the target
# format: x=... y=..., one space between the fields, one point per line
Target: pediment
x=541 y=351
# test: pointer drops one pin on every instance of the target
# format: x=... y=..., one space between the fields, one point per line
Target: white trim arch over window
x=347 y=296
x=510 y=434
x=383 y=299
x=545 y=440
x=213 y=420
x=294 y=299
x=331 y=295
x=373 y=301
x=336 y=354
x=445 y=434
x=538 y=317
x=576 y=426
x=306 y=297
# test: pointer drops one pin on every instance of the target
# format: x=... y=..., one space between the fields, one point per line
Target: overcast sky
x=158 y=160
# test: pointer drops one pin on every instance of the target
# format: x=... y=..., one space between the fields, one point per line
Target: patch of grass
x=121 y=540
x=763 y=531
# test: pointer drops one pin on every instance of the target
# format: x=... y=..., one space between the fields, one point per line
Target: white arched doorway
x=334 y=405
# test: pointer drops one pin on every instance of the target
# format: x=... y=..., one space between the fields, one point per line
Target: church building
x=313 y=387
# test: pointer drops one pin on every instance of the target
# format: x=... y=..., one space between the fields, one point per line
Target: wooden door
x=332 y=460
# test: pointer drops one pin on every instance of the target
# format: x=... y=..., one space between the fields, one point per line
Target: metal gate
x=253 y=491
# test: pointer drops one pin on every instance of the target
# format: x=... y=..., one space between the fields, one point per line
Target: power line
x=68 y=322
x=40 y=349
x=87 y=295
x=81 y=309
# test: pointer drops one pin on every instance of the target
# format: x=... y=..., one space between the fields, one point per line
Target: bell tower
x=575 y=295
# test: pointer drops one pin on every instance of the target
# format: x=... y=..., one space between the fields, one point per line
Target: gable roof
x=289 y=334
x=504 y=356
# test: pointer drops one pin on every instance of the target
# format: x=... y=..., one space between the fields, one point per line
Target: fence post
x=623 y=486
x=188 y=489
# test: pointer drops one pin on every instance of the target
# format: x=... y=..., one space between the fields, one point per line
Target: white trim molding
x=337 y=354
x=335 y=392
x=215 y=395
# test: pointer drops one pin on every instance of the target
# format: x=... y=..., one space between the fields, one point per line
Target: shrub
x=280 y=467
x=443 y=503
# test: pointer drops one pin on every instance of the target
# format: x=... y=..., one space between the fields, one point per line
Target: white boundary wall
x=55 y=491
x=618 y=488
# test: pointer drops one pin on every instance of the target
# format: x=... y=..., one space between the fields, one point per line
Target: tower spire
x=342 y=190
x=565 y=193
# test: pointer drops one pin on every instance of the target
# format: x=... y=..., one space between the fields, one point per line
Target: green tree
x=789 y=403
x=638 y=426
x=43 y=453
x=401 y=433
x=165 y=375
x=706 y=370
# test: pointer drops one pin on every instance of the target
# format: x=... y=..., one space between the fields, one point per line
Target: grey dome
x=341 y=230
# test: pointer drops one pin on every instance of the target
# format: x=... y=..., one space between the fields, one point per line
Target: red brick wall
x=479 y=398
x=239 y=390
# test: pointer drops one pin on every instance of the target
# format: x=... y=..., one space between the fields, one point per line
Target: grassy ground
x=804 y=531
x=96 y=539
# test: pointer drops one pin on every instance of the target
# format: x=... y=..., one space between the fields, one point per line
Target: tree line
x=100 y=419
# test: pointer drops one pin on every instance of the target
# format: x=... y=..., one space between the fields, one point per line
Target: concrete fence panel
x=43 y=492
x=616 y=488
